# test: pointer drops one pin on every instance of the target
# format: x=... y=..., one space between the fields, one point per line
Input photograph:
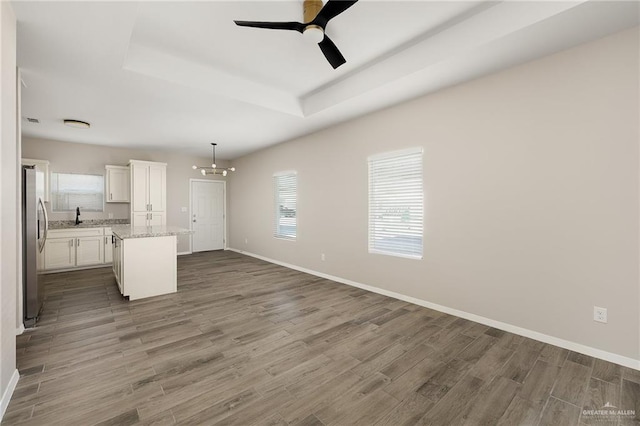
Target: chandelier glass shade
x=213 y=169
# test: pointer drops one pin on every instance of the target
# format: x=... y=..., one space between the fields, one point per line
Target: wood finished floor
x=247 y=342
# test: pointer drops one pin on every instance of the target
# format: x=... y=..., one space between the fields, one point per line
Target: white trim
x=390 y=253
x=285 y=173
x=556 y=341
x=225 y=240
x=143 y=162
x=76 y=268
x=20 y=329
x=398 y=153
x=182 y=253
x=8 y=392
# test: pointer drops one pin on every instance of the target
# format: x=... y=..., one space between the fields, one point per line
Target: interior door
x=207 y=215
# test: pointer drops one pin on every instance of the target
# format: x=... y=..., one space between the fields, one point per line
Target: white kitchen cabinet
x=108 y=250
x=117 y=184
x=42 y=172
x=80 y=247
x=148 y=219
x=89 y=250
x=157 y=218
x=148 y=193
x=117 y=261
x=60 y=253
x=140 y=219
x=145 y=267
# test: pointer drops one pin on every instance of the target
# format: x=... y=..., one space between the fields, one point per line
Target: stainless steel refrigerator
x=34 y=234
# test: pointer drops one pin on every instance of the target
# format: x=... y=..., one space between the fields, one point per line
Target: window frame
x=276 y=200
x=371 y=230
x=54 y=192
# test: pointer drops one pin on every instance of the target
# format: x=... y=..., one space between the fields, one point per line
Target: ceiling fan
x=316 y=17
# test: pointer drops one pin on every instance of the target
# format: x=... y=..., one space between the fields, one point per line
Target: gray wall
x=9 y=201
x=531 y=188
x=91 y=159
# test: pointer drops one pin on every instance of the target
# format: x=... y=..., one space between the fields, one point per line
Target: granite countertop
x=128 y=231
x=94 y=223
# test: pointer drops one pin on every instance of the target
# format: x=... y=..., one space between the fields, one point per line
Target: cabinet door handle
x=70 y=243
x=150 y=207
x=111 y=196
x=78 y=242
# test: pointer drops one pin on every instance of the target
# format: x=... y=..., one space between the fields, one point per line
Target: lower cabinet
x=59 y=253
x=70 y=248
x=145 y=267
x=89 y=250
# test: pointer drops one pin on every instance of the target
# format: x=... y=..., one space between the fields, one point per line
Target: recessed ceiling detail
x=187 y=73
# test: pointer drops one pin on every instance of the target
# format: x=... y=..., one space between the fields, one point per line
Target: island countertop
x=129 y=231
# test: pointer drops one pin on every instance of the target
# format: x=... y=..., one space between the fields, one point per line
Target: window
x=69 y=191
x=396 y=203
x=285 y=189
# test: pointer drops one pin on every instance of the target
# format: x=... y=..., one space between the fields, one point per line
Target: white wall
x=67 y=157
x=531 y=188
x=9 y=234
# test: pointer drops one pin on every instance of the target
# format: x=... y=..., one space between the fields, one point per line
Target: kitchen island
x=145 y=259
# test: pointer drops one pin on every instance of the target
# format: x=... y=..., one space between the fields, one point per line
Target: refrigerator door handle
x=46 y=225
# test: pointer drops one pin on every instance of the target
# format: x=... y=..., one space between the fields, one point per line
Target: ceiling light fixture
x=214 y=169
x=77 y=124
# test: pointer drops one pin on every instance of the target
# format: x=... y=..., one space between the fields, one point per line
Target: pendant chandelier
x=214 y=169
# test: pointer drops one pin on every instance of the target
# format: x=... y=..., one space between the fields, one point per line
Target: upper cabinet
x=148 y=193
x=117 y=184
x=42 y=175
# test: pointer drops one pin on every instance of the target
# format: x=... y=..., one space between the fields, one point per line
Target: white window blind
x=69 y=191
x=285 y=189
x=396 y=209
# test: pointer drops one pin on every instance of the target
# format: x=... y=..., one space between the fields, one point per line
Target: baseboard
x=182 y=253
x=545 y=338
x=8 y=393
x=77 y=268
x=20 y=330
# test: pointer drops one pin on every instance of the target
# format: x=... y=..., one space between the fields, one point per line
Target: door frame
x=224 y=210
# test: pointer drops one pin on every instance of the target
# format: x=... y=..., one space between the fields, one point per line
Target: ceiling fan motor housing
x=311 y=8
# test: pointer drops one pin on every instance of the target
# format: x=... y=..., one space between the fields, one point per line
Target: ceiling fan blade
x=295 y=26
x=331 y=52
x=332 y=9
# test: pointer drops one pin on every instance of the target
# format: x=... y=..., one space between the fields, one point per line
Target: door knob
x=194 y=221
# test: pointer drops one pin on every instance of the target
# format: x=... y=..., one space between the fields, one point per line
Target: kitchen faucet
x=78 y=221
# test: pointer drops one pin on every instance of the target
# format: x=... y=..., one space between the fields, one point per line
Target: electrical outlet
x=183 y=209
x=110 y=215
x=322 y=257
x=600 y=314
